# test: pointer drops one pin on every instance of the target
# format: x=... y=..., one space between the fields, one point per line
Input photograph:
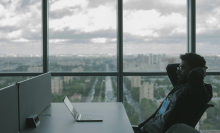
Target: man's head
x=189 y=62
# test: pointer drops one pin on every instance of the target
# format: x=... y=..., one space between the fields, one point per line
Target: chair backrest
x=199 y=115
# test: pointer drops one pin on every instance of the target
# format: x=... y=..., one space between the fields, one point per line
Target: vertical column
x=120 y=50
x=191 y=26
x=45 y=34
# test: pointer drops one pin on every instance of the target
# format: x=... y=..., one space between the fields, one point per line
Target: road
x=109 y=93
x=92 y=91
x=130 y=101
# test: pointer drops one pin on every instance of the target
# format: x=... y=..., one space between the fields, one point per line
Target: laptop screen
x=70 y=107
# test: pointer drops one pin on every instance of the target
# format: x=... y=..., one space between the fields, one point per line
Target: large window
x=20 y=36
x=109 y=50
x=82 y=35
x=154 y=34
x=208 y=32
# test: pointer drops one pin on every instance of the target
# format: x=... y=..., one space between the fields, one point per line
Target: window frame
x=191 y=47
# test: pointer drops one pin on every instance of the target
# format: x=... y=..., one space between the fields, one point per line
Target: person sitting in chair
x=188 y=96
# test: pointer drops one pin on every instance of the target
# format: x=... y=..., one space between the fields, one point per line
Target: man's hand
x=204 y=69
x=196 y=74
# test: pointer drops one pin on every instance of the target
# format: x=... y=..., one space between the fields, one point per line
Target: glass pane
x=84 y=88
x=20 y=36
x=208 y=32
x=82 y=35
x=143 y=95
x=210 y=119
x=6 y=81
x=154 y=33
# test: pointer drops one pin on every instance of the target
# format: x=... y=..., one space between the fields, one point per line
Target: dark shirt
x=156 y=124
x=194 y=89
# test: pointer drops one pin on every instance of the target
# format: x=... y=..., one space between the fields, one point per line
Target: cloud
x=97 y=3
x=89 y=20
x=89 y=27
x=99 y=40
x=21 y=40
x=162 y=6
x=154 y=23
x=57 y=5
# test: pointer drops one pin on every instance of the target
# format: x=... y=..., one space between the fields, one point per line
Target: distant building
x=78 y=69
x=204 y=117
x=35 y=69
x=147 y=91
x=88 y=79
x=71 y=63
x=135 y=81
x=214 y=94
x=56 y=85
x=67 y=79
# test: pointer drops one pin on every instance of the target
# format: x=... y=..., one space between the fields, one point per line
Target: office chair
x=177 y=127
x=181 y=128
x=199 y=115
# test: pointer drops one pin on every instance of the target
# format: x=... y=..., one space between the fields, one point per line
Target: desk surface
x=115 y=119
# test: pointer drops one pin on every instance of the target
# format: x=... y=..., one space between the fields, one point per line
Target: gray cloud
x=82 y=37
x=59 y=14
x=209 y=38
x=204 y=7
x=153 y=4
x=7 y=29
x=96 y=3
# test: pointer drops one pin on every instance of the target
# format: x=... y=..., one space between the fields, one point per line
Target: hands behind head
x=204 y=69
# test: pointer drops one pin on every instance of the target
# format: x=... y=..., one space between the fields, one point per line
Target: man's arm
x=171 y=72
x=197 y=86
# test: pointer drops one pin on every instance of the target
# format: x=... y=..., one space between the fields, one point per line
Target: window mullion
x=45 y=34
x=191 y=26
x=120 y=50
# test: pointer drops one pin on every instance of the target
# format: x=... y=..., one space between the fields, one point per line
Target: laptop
x=81 y=117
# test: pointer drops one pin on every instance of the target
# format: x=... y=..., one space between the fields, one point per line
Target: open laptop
x=81 y=117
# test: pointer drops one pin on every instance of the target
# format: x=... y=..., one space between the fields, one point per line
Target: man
x=188 y=96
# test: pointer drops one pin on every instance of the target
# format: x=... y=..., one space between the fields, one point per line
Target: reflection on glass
x=82 y=35
x=20 y=36
x=154 y=34
x=208 y=31
x=84 y=89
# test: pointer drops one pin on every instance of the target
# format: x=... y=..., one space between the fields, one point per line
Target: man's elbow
x=172 y=66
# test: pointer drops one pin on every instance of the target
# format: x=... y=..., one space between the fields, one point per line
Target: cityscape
x=142 y=95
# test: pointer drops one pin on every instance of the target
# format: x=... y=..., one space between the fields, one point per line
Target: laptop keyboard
x=86 y=117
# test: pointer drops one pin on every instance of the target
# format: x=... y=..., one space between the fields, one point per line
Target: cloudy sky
x=89 y=26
